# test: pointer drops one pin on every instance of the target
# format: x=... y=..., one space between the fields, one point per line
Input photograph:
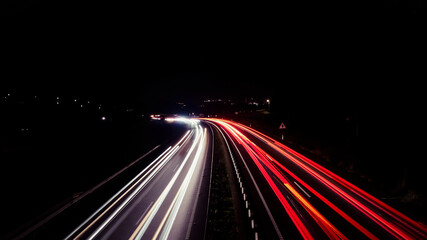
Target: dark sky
x=309 y=51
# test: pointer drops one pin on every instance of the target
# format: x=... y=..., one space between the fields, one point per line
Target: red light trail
x=276 y=174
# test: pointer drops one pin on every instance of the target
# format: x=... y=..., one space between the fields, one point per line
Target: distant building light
x=103 y=118
x=81 y=105
x=253 y=103
x=157 y=117
x=75 y=100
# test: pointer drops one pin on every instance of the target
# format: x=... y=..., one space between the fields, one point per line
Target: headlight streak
x=147 y=173
x=142 y=227
x=182 y=190
x=163 y=209
x=400 y=226
x=156 y=168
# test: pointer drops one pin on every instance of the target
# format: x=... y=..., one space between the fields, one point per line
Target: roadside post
x=282 y=127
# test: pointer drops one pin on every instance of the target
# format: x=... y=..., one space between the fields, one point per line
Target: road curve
x=301 y=199
x=287 y=195
x=168 y=198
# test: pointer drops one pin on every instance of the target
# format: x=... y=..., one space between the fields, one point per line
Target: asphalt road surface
x=168 y=199
x=296 y=198
x=286 y=195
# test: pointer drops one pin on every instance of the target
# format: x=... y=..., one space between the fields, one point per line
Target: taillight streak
x=258 y=156
x=402 y=227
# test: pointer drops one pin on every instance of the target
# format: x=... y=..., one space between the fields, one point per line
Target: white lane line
x=279 y=234
x=210 y=183
x=308 y=195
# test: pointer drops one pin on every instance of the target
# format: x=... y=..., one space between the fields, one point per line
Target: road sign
x=282 y=126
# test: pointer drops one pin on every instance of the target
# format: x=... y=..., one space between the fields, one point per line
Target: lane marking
x=279 y=234
x=210 y=180
x=306 y=193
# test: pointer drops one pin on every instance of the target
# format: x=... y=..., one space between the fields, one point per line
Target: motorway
x=287 y=195
x=296 y=198
x=168 y=198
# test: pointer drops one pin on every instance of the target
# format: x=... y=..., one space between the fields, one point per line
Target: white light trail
x=142 y=227
x=150 y=170
x=183 y=188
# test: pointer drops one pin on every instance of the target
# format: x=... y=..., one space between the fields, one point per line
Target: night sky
x=365 y=57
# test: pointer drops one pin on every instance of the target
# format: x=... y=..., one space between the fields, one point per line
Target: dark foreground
x=50 y=159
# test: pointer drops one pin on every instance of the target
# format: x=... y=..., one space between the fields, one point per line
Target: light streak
x=152 y=172
x=391 y=227
x=400 y=226
x=331 y=205
x=170 y=215
x=148 y=173
x=245 y=143
x=253 y=181
x=182 y=190
x=327 y=227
